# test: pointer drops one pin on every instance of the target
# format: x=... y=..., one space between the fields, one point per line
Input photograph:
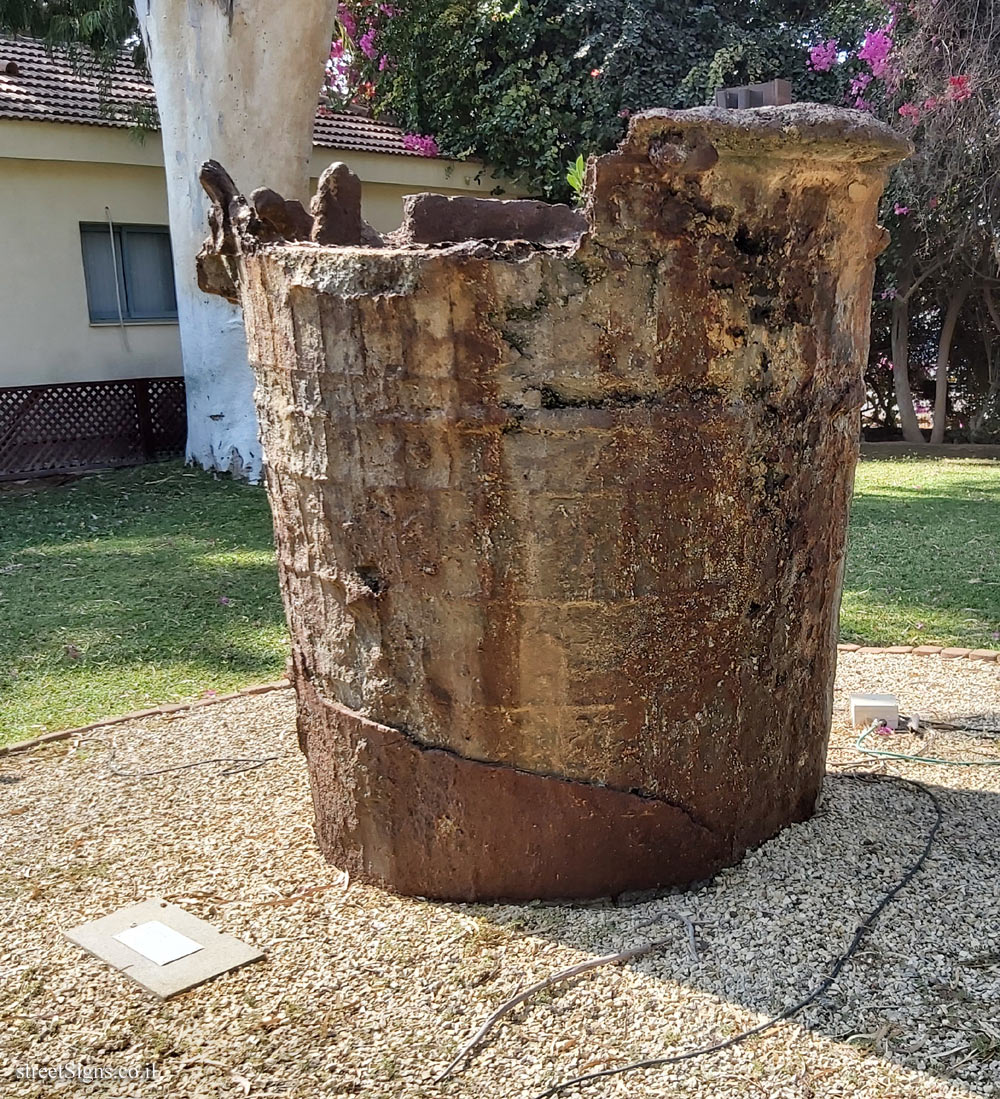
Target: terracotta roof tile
x=43 y=87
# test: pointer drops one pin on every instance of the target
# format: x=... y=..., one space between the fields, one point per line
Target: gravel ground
x=363 y=993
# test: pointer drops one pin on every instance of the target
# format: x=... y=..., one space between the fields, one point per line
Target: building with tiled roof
x=88 y=328
x=41 y=86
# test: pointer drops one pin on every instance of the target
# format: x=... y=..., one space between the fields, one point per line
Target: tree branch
x=515 y=1001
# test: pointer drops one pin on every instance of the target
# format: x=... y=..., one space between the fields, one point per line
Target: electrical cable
x=882 y=753
x=239 y=764
x=859 y=936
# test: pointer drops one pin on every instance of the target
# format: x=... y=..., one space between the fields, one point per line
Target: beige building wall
x=45 y=329
x=55 y=176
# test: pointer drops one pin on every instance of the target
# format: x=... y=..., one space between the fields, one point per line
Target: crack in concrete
x=408 y=736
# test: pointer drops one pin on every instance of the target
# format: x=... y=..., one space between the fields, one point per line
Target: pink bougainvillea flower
x=932 y=103
x=958 y=88
x=875 y=50
x=862 y=104
x=336 y=50
x=901 y=210
x=911 y=111
x=823 y=57
x=367 y=43
x=860 y=82
x=596 y=73
x=347 y=22
x=383 y=61
x=423 y=144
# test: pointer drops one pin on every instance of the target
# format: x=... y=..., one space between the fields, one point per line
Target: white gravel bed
x=364 y=993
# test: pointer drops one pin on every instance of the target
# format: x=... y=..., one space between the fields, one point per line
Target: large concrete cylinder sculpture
x=560 y=499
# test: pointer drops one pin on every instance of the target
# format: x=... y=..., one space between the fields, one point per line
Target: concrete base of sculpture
x=429 y=822
x=560 y=502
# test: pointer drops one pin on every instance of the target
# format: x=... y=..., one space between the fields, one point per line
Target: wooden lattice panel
x=88 y=425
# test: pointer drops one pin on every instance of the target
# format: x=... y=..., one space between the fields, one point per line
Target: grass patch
x=157 y=584
x=923 y=560
x=127 y=589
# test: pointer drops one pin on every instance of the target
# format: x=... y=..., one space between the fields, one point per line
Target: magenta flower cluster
x=823 y=57
x=361 y=23
x=876 y=53
x=875 y=50
x=423 y=144
x=366 y=43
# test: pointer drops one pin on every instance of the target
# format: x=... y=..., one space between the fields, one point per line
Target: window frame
x=123 y=266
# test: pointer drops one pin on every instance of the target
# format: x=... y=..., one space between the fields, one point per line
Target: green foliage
x=92 y=30
x=528 y=84
x=574 y=177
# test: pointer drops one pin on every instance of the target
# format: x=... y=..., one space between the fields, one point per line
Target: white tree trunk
x=236 y=80
x=900 y=350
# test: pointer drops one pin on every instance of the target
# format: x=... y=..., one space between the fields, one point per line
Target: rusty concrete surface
x=432 y=823
x=442 y=219
x=561 y=522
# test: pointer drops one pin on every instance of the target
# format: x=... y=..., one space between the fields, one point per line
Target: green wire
x=860 y=745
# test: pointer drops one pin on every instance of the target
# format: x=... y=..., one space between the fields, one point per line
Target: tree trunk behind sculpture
x=239 y=82
x=561 y=514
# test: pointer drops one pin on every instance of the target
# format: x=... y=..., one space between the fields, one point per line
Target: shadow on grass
x=924 y=565
x=133 y=588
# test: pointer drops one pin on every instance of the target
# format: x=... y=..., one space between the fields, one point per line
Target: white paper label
x=157 y=942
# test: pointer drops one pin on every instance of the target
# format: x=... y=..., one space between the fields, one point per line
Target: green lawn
x=123 y=590
x=155 y=584
x=923 y=561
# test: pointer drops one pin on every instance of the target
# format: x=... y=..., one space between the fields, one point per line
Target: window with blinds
x=130 y=265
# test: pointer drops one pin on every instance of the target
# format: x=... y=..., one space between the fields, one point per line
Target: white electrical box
x=866 y=708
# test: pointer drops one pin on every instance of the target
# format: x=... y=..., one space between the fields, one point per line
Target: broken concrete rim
x=797 y=131
x=681 y=144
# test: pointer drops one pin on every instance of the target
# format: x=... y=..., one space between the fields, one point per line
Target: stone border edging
x=166 y=708
x=949 y=653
